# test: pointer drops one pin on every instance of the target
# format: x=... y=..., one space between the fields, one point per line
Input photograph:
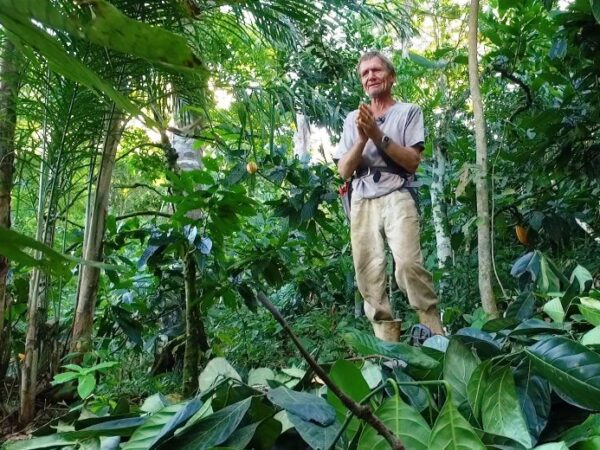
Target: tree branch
x=137 y=185
x=361 y=411
x=143 y=213
x=522 y=85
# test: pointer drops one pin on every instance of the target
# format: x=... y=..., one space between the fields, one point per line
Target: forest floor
x=10 y=429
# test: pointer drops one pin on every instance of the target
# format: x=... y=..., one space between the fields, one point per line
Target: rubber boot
x=387 y=330
x=431 y=319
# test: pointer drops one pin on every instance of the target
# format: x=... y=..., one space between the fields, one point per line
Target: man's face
x=375 y=78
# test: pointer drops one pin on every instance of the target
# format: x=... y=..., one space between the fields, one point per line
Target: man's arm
x=406 y=157
x=352 y=159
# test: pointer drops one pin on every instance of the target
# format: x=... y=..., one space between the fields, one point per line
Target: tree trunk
x=481 y=184
x=35 y=312
x=88 y=289
x=440 y=219
x=9 y=90
x=193 y=327
x=189 y=158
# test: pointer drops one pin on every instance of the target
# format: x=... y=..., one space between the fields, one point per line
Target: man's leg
x=401 y=222
x=368 y=253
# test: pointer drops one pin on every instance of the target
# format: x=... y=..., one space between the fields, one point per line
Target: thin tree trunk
x=488 y=301
x=88 y=213
x=438 y=203
x=189 y=158
x=9 y=90
x=193 y=326
x=440 y=219
x=30 y=362
x=88 y=289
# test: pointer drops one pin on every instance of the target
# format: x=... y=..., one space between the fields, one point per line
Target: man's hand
x=362 y=136
x=367 y=125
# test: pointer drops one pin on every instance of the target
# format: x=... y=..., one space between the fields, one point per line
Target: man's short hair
x=376 y=54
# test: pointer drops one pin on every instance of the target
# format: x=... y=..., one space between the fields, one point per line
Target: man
x=381 y=147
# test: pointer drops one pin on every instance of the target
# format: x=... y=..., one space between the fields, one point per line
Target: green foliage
x=281 y=230
x=452 y=431
x=500 y=410
x=86 y=377
x=502 y=396
x=553 y=358
x=17 y=246
x=406 y=423
x=108 y=27
x=63 y=63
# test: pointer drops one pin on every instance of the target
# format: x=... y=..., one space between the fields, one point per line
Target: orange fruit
x=522 y=236
x=251 y=167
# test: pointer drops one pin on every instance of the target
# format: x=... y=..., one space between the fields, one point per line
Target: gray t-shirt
x=404 y=125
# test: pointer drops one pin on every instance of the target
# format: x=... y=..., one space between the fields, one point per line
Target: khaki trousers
x=392 y=218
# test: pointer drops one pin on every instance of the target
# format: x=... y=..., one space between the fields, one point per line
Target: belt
x=365 y=171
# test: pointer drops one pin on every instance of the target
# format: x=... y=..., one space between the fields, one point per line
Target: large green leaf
x=267 y=433
x=367 y=344
x=17 y=247
x=459 y=365
x=493 y=441
x=404 y=421
x=522 y=308
x=570 y=294
x=66 y=65
x=119 y=427
x=502 y=323
x=535 y=326
x=581 y=274
x=476 y=387
x=416 y=396
x=211 y=430
x=572 y=369
x=592 y=337
x=483 y=342
x=427 y=63
x=109 y=442
x=304 y=405
x=216 y=370
x=260 y=376
x=548 y=280
x=349 y=379
x=109 y=28
x=500 y=410
x=534 y=398
x=241 y=437
x=154 y=403
x=86 y=385
x=315 y=435
x=51 y=441
x=590 y=310
x=555 y=310
x=590 y=427
x=553 y=446
x=161 y=424
x=451 y=431
x=589 y=444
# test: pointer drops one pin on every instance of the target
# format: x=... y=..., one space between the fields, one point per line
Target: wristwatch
x=385 y=141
